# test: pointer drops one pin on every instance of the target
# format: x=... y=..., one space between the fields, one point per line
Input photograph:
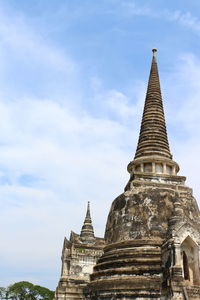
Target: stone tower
x=153 y=229
x=79 y=255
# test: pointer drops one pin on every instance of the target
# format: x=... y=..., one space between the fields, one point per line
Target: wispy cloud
x=186 y=19
x=32 y=66
x=26 y=43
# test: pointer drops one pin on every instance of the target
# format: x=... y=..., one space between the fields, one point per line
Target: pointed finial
x=154 y=50
x=88 y=210
x=87 y=231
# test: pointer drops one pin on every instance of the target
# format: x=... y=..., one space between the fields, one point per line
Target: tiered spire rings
x=153 y=153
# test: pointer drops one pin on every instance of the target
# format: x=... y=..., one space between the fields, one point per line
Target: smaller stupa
x=79 y=255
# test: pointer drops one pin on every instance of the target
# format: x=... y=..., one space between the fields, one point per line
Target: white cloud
x=29 y=45
x=186 y=19
x=32 y=66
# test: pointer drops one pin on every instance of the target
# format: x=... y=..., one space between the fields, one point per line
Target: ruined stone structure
x=152 y=234
x=79 y=256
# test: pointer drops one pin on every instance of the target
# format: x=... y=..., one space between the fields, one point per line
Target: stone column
x=153 y=167
x=174 y=170
x=176 y=270
x=178 y=259
x=164 y=168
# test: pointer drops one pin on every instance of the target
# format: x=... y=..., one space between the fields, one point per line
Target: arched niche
x=190 y=261
x=186 y=269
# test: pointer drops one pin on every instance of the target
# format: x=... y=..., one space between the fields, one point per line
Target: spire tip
x=154 y=50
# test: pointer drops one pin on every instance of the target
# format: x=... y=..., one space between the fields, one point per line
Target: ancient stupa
x=152 y=235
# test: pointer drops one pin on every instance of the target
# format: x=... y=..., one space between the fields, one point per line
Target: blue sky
x=73 y=77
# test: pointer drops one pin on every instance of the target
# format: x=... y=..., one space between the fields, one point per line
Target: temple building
x=79 y=256
x=152 y=235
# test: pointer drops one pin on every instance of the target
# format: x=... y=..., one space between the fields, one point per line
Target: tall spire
x=153 y=154
x=87 y=231
x=153 y=135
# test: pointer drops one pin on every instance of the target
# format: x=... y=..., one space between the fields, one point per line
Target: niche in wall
x=190 y=261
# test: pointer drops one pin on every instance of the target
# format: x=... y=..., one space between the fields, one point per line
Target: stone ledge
x=133 y=283
x=143 y=242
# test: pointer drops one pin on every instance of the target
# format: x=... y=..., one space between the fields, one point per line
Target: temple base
x=128 y=270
